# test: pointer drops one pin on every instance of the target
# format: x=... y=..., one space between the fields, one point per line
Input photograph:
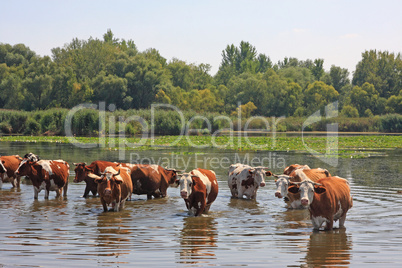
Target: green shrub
x=391 y=123
x=5 y=127
x=32 y=127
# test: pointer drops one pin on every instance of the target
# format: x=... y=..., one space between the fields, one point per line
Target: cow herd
x=327 y=197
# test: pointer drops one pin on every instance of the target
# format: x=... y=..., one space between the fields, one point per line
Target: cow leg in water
x=65 y=189
x=342 y=221
x=104 y=205
x=18 y=179
x=206 y=209
x=201 y=207
x=58 y=192
x=163 y=190
x=36 y=192
x=122 y=204
x=329 y=225
x=13 y=182
x=116 y=206
x=149 y=196
x=86 y=191
x=240 y=192
x=46 y=194
x=1 y=182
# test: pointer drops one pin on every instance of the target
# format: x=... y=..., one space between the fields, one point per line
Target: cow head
x=186 y=184
x=282 y=184
x=109 y=183
x=171 y=175
x=258 y=174
x=81 y=171
x=2 y=167
x=307 y=189
x=24 y=167
x=31 y=157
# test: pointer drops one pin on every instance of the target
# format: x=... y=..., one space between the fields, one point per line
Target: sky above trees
x=198 y=31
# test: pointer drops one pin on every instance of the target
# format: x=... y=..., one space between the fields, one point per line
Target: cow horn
x=117 y=174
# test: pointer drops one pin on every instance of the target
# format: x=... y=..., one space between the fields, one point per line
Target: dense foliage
x=114 y=71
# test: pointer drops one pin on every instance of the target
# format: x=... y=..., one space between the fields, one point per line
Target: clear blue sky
x=197 y=31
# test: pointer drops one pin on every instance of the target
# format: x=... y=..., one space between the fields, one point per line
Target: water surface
x=75 y=232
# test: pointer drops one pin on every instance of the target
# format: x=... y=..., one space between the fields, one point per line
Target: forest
x=114 y=71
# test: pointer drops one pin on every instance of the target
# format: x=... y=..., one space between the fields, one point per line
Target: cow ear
x=98 y=180
x=118 y=181
x=88 y=169
x=294 y=189
x=268 y=173
x=319 y=189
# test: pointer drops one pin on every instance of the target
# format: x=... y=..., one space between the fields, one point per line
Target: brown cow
x=199 y=189
x=82 y=172
x=48 y=175
x=152 y=180
x=328 y=200
x=8 y=165
x=282 y=183
x=114 y=187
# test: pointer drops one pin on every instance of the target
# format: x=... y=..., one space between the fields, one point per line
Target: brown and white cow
x=288 y=170
x=82 y=171
x=199 y=189
x=328 y=200
x=114 y=187
x=245 y=180
x=282 y=183
x=48 y=175
x=8 y=165
x=152 y=180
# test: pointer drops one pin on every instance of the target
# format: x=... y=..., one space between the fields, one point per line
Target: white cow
x=245 y=180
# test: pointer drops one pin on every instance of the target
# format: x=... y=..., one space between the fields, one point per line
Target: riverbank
x=343 y=146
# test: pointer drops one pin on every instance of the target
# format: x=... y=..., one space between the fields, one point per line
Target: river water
x=75 y=232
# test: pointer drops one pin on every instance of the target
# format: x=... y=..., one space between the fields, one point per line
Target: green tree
x=318 y=95
x=382 y=69
x=339 y=77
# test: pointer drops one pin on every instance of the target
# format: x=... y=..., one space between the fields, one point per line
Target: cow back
x=57 y=170
x=211 y=186
x=336 y=196
x=11 y=163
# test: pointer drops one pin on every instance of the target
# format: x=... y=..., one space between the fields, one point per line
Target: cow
x=152 y=180
x=282 y=183
x=114 y=187
x=328 y=200
x=82 y=171
x=48 y=175
x=288 y=170
x=199 y=189
x=245 y=180
x=8 y=166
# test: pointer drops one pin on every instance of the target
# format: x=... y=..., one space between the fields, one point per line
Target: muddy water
x=74 y=232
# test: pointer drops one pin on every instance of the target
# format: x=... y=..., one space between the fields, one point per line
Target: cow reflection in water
x=198 y=240
x=332 y=249
x=113 y=235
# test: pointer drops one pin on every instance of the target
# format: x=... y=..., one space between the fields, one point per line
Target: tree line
x=115 y=71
